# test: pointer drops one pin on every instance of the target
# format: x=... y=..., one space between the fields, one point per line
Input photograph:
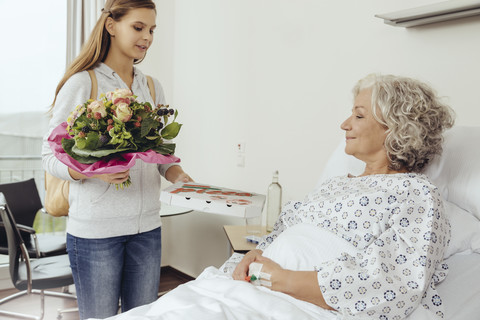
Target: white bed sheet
x=215 y=296
x=460 y=291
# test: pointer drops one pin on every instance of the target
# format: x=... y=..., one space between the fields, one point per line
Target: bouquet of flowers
x=107 y=135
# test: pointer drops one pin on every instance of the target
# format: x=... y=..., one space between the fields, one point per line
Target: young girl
x=113 y=236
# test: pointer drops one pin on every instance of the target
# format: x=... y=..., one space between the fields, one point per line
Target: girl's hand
x=241 y=271
x=176 y=174
x=183 y=177
x=115 y=178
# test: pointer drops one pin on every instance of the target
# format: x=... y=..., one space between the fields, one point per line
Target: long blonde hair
x=96 y=48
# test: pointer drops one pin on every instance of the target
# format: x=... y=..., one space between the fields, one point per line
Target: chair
x=32 y=276
x=24 y=203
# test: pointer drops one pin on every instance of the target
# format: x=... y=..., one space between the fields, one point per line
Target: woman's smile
x=142 y=48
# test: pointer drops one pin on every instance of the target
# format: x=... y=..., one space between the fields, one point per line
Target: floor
x=170 y=279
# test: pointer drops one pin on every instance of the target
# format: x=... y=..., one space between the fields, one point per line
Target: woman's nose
x=147 y=35
x=345 y=124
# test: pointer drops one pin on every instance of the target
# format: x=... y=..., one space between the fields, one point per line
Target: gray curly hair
x=414 y=116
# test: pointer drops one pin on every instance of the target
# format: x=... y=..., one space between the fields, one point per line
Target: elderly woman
x=367 y=247
x=391 y=213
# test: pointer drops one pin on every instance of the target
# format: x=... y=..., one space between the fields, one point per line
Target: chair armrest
x=33 y=234
x=30 y=231
x=22 y=227
x=27 y=229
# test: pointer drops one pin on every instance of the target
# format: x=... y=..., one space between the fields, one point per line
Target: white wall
x=277 y=75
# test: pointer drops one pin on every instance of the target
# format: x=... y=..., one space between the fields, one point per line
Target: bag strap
x=93 y=77
x=151 y=87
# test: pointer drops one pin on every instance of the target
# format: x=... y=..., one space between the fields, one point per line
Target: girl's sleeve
x=74 y=92
x=392 y=274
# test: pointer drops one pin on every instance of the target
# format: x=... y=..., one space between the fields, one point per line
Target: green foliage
x=148 y=125
x=171 y=130
x=102 y=129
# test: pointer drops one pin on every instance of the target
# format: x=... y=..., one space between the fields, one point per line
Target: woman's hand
x=241 y=271
x=302 y=285
x=276 y=272
x=176 y=174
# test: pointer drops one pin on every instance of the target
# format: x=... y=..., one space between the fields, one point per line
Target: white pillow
x=457 y=172
x=465 y=230
x=304 y=246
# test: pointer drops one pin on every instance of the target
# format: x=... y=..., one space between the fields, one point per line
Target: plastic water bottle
x=274 y=202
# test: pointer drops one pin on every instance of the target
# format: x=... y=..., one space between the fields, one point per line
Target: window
x=33 y=59
x=33 y=53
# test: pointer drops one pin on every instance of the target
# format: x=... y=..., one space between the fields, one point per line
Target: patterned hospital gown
x=397 y=222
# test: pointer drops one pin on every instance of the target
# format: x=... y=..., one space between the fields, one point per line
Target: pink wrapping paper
x=101 y=167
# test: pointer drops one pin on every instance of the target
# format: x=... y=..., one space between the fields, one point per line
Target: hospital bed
x=457 y=175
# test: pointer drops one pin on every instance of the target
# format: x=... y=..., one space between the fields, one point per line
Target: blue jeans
x=106 y=270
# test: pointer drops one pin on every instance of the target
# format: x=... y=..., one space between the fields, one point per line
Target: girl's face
x=133 y=34
x=365 y=136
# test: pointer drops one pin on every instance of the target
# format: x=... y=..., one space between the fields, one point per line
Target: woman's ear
x=110 y=26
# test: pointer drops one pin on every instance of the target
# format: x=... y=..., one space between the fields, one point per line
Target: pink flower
x=122 y=112
x=120 y=96
x=79 y=110
x=97 y=107
x=121 y=100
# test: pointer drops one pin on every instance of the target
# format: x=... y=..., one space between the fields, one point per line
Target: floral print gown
x=398 y=223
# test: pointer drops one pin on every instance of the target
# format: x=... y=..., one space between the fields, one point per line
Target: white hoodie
x=98 y=209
